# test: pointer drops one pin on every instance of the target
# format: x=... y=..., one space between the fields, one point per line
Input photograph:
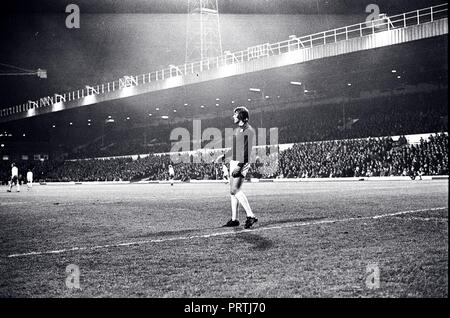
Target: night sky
x=225 y=6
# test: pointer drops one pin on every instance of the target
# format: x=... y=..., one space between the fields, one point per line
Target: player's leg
x=242 y=198
x=234 y=205
x=13 y=183
x=235 y=185
x=234 y=208
x=10 y=185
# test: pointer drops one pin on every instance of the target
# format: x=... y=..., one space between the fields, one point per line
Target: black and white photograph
x=224 y=153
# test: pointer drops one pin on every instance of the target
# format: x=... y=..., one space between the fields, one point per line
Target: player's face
x=235 y=118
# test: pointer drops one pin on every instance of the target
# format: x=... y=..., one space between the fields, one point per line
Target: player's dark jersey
x=243 y=140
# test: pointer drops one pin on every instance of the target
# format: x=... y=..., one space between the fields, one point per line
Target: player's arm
x=237 y=172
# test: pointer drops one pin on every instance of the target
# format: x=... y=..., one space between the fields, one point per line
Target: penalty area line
x=216 y=234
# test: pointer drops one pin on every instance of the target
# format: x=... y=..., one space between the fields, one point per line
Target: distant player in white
x=226 y=174
x=171 y=174
x=14 y=178
x=29 y=179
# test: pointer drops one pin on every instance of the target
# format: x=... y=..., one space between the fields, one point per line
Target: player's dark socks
x=249 y=222
x=231 y=223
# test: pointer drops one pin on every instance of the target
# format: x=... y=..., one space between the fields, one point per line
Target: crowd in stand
x=327 y=144
x=366 y=158
x=340 y=158
x=119 y=169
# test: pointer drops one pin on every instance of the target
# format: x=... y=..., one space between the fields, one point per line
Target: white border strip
x=181 y=238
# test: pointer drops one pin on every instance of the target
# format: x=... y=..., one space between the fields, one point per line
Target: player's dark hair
x=243 y=114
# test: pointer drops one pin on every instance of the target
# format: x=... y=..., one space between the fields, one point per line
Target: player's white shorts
x=234 y=164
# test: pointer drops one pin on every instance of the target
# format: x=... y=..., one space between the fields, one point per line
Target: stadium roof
x=383 y=69
x=110 y=46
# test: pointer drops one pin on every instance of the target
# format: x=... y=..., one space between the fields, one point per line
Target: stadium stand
x=370 y=117
x=324 y=147
x=366 y=158
x=339 y=158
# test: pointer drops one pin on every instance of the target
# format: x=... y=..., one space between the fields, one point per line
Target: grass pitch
x=313 y=239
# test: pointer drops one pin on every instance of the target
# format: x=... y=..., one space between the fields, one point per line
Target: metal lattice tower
x=203 y=31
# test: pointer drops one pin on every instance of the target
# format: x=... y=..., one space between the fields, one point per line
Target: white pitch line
x=411 y=218
x=14 y=203
x=181 y=238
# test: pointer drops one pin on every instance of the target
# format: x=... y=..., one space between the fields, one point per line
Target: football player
x=239 y=165
x=225 y=173
x=14 y=178
x=29 y=179
x=171 y=174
